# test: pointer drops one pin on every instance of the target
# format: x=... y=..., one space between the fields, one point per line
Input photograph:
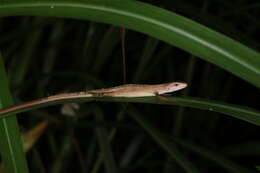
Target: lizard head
x=172 y=86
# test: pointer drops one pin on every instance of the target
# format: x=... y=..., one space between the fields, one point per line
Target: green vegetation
x=51 y=47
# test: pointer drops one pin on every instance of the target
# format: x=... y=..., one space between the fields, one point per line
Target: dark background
x=46 y=56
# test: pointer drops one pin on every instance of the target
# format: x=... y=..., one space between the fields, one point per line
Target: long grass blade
x=11 y=147
x=164 y=25
x=240 y=112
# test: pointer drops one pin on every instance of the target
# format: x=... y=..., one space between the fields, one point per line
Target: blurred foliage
x=45 y=56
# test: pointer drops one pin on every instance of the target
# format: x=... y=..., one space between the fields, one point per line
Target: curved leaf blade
x=243 y=113
x=164 y=25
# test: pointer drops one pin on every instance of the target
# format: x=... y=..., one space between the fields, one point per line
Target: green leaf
x=159 y=23
x=10 y=144
x=240 y=112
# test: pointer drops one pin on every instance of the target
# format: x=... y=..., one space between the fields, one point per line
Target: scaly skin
x=130 y=90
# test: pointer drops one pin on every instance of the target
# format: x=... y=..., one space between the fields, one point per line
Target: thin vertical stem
x=122 y=36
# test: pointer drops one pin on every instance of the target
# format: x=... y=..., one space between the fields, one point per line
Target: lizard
x=128 y=90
